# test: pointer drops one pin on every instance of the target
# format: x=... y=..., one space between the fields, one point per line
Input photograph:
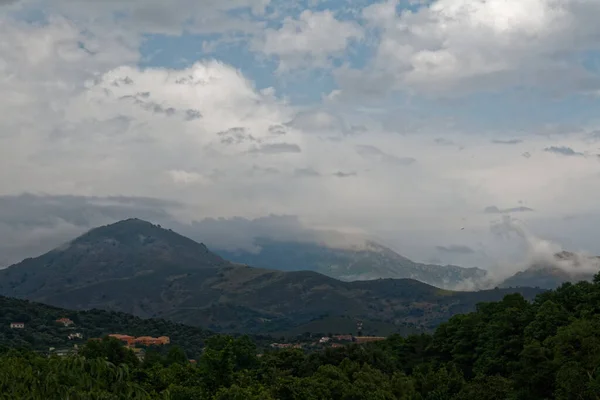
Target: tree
x=487 y=388
x=109 y=349
x=176 y=355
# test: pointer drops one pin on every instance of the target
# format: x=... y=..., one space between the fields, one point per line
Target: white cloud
x=81 y=117
x=312 y=40
x=188 y=178
x=171 y=18
x=467 y=45
x=316 y=120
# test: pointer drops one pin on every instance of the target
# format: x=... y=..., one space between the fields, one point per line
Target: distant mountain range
x=365 y=262
x=136 y=267
x=550 y=274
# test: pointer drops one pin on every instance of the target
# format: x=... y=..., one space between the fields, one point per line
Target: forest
x=507 y=350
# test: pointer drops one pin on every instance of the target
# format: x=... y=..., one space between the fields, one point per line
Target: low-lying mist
x=538 y=253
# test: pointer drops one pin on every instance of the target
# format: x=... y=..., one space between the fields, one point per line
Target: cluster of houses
x=286 y=345
x=132 y=341
x=66 y=322
x=129 y=341
x=335 y=341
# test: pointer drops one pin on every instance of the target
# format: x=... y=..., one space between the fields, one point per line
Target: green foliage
x=507 y=350
x=111 y=350
x=41 y=330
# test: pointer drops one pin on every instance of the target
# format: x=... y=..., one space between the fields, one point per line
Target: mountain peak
x=136 y=232
x=564 y=266
x=130 y=225
x=131 y=247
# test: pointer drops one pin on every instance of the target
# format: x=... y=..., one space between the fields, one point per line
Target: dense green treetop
x=506 y=350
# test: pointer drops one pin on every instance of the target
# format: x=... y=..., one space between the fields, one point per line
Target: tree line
x=506 y=350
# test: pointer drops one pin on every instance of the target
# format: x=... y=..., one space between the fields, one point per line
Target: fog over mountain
x=30 y=225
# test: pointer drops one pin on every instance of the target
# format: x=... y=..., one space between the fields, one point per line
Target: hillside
x=41 y=330
x=548 y=349
x=371 y=261
x=138 y=268
x=565 y=267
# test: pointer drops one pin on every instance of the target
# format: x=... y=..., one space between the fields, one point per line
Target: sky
x=425 y=124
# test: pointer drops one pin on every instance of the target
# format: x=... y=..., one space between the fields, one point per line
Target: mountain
x=126 y=250
x=371 y=261
x=550 y=274
x=139 y=268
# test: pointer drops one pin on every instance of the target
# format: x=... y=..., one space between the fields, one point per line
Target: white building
x=73 y=336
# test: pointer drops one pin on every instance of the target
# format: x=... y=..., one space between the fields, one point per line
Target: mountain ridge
x=139 y=268
x=552 y=272
x=371 y=261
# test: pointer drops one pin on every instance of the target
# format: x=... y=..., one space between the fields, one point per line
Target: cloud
x=539 y=252
x=95 y=124
x=373 y=153
x=125 y=106
x=157 y=17
x=444 y=142
x=312 y=40
x=277 y=130
x=316 y=121
x=31 y=225
x=236 y=135
x=594 y=135
x=258 y=170
x=188 y=178
x=306 y=172
x=191 y=114
x=240 y=233
x=451 y=46
x=496 y=210
x=341 y=174
x=563 y=150
x=456 y=249
x=277 y=148
x=357 y=129
x=509 y=141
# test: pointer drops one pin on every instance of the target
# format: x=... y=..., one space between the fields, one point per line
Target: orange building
x=344 y=338
x=152 y=341
x=65 y=321
x=142 y=340
x=367 y=339
x=129 y=340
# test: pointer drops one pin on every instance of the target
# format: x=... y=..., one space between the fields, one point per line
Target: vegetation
x=511 y=349
x=141 y=269
x=42 y=331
